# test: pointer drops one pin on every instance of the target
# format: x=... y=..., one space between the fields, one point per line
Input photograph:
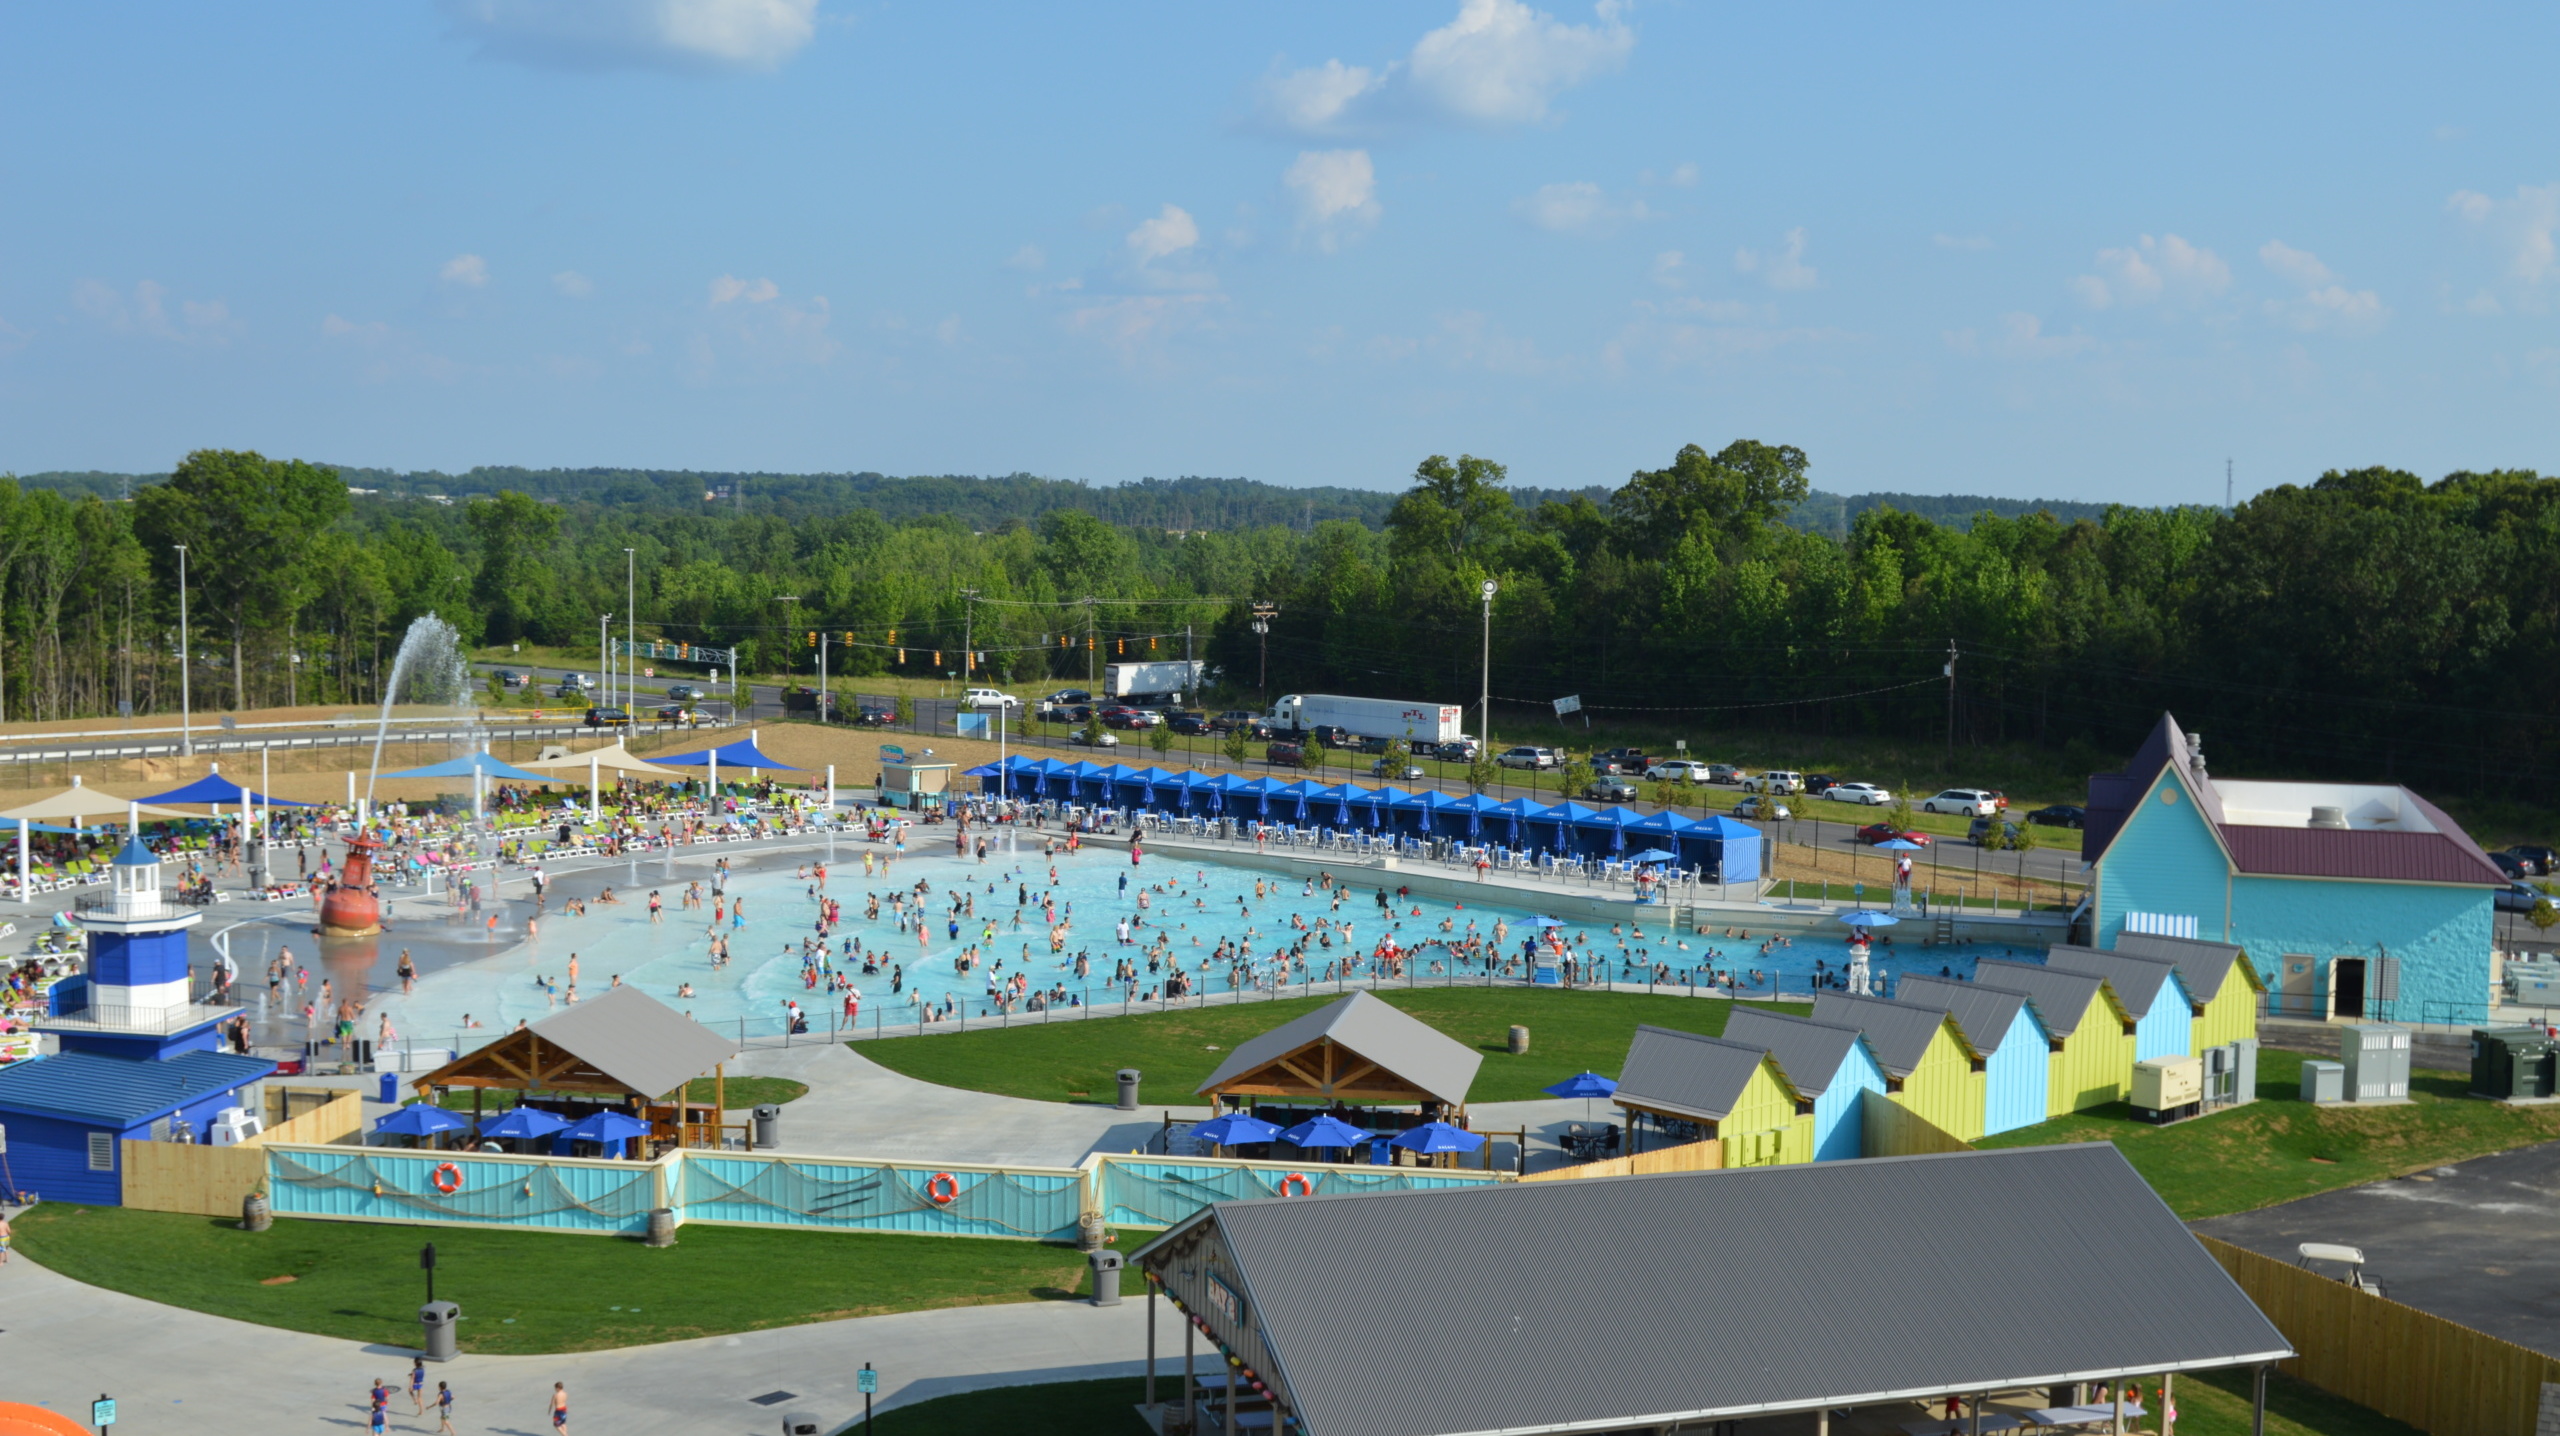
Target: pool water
x=1182 y=909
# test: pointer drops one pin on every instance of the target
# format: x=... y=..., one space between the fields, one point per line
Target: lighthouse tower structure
x=138 y=1003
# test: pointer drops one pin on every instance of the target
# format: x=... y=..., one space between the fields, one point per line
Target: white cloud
x=2299 y=265
x=1169 y=233
x=1500 y=62
x=1961 y=241
x=2470 y=204
x=1784 y=270
x=2324 y=302
x=2523 y=228
x=729 y=287
x=2019 y=336
x=687 y=35
x=1316 y=100
x=573 y=284
x=1577 y=208
x=1336 y=191
x=468 y=270
x=1667 y=267
x=1683 y=176
x=388 y=353
x=146 y=311
x=2152 y=269
x=1030 y=256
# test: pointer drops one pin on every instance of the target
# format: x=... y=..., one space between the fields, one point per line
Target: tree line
x=2366 y=624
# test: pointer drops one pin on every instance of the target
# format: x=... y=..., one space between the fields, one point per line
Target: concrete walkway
x=62 y=1344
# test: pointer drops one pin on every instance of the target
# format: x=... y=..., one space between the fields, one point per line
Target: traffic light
x=1121 y=647
x=813 y=638
x=937 y=658
x=902 y=655
x=1151 y=643
x=1088 y=643
x=893 y=641
x=845 y=638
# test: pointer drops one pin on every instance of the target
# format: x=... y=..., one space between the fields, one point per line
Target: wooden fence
x=2437 y=1375
x=340 y=1113
x=211 y=1181
x=1889 y=1129
x=1706 y=1156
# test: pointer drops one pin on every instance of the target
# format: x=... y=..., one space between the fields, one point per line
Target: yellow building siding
x=1944 y=1089
x=1764 y=1129
x=2232 y=1015
x=2094 y=1064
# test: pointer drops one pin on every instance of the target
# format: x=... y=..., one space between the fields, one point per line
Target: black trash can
x=437 y=1318
x=1106 y=1277
x=768 y=1126
x=1128 y=1089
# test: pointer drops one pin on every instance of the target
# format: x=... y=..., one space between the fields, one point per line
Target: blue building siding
x=2166 y=859
x=1839 y=1126
x=50 y=1157
x=2017 y=1077
x=2441 y=934
x=878 y=1197
x=2168 y=1029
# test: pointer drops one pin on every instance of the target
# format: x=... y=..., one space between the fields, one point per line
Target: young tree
x=1160 y=738
x=1234 y=746
x=1314 y=753
x=1482 y=770
x=1899 y=814
x=1397 y=758
x=1574 y=776
x=1093 y=730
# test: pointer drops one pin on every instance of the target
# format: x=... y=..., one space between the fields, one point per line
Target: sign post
x=427 y=1264
x=102 y=1413
x=866 y=1381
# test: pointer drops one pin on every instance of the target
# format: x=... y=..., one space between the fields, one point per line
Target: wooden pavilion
x=1359 y=1049
x=622 y=1045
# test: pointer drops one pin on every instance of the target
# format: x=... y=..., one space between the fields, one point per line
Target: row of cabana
x=1722 y=849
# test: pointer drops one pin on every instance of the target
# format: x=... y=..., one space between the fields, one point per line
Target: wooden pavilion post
x=719 y=1107
x=2118 y=1428
x=1151 y=1342
x=1191 y=1387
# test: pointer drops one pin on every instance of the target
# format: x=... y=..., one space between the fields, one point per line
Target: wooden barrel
x=254 y=1215
x=662 y=1227
x=1519 y=1040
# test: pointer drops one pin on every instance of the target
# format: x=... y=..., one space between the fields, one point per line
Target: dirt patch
x=278 y=1280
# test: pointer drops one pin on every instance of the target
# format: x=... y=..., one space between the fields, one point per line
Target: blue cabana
x=1076 y=775
x=215 y=788
x=742 y=754
x=1298 y=792
x=1470 y=810
x=1564 y=816
x=1666 y=830
x=1195 y=788
x=1384 y=804
x=1032 y=779
x=1261 y=791
x=1733 y=849
x=1612 y=820
x=1145 y=781
x=1517 y=814
x=1339 y=797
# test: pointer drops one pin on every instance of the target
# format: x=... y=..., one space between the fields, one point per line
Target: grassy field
x=525 y=1293
x=2281 y=1147
x=2210 y=1404
x=1075 y=1061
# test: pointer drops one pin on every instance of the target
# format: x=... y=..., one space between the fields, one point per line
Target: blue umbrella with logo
x=1235 y=1129
x=1324 y=1130
x=1585 y=1085
x=523 y=1124
x=420 y=1119
x=1432 y=1138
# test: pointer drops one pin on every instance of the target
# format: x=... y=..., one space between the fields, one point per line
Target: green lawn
x=2281 y=1147
x=525 y=1293
x=1075 y=1061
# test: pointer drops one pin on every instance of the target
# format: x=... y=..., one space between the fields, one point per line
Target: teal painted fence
x=880 y=1196
x=375 y=1184
x=1143 y=1192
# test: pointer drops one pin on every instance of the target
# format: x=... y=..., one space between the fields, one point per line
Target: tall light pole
x=1263 y=613
x=1485 y=718
x=186 y=707
x=631 y=632
x=786 y=643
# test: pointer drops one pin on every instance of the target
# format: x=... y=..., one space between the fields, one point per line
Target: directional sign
x=866 y=1381
x=102 y=1412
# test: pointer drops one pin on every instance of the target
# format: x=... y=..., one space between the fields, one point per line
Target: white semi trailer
x=1371 y=717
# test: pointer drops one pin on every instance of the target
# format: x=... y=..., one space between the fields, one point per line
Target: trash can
x=1128 y=1089
x=390 y=1087
x=662 y=1227
x=438 y=1317
x=1106 y=1277
x=768 y=1126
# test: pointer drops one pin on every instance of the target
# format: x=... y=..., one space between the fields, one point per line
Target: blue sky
x=2080 y=251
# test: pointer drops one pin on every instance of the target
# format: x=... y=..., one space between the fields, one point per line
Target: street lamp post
x=631 y=633
x=186 y=707
x=1485 y=714
x=786 y=643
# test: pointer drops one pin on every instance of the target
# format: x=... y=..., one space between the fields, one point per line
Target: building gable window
x=2161 y=924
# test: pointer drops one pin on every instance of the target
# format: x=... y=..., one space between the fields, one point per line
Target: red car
x=1874 y=833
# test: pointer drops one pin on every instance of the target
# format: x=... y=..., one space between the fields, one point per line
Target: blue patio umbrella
x=1655 y=855
x=1545 y=922
x=420 y=1119
x=1235 y=1129
x=608 y=1127
x=1585 y=1085
x=523 y=1124
x=1434 y=1137
x=1897 y=845
x=1324 y=1130
x=1869 y=919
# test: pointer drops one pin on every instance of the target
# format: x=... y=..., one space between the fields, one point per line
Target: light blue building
x=2008 y=1038
x=2351 y=900
x=1829 y=1065
x=2153 y=994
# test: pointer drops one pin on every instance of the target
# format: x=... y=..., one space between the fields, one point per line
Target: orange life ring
x=1306 y=1188
x=447 y=1178
x=942 y=1189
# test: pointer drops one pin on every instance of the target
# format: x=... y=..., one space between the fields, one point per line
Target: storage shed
x=1696 y=1087
x=2150 y=990
x=2221 y=984
x=1357 y=1049
x=1591 y=1306
x=1828 y=1063
x=2002 y=1027
x=1929 y=1065
x=2092 y=1062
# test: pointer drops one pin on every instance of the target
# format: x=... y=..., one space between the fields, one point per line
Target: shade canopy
x=1897 y=845
x=1655 y=855
x=1869 y=919
x=742 y=754
x=79 y=801
x=484 y=764
x=616 y=758
x=1432 y=1138
x=523 y=1124
x=609 y=1126
x=1583 y=1084
x=420 y=1119
x=1235 y=1129
x=1324 y=1130
x=215 y=788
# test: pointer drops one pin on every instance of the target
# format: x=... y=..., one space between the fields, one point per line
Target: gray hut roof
x=1686 y=1074
x=2061 y=998
x=636 y=1040
x=1809 y=1052
x=2138 y=980
x=2202 y=965
x=1402 y=1044
x=1898 y=1032
x=1984 y=1012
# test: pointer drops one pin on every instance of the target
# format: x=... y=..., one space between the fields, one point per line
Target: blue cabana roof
x=1718 y=825
x=215 y=788
x=485 y=764
x=742 y=754
x=1665 y=821
x=983 y=770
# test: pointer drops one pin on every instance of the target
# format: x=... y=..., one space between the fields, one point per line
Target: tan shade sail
x=614 y=759
x=81 y=801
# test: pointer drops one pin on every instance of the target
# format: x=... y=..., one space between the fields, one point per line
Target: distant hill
x=988 y=503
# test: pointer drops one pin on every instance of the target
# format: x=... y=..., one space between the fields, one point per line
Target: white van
x=985 y=698
x=1776 y=780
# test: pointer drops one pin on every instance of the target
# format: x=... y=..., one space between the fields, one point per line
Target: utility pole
x=186 y=713
x=2226 y=485
x=1485 y=722
x=1092 y=663
x=1950 y=671
x=822 y=675
x=1263 y=613
x=968 y=634
x=604 y=656
x=631 y=633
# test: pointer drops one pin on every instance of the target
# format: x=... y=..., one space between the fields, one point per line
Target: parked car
x=1874 y=833
x=1723 y=773
x=1066 y=695
x=1817 y=784
x=509 y=678
x=577 y=682
x=1078 y=713
x=1401 y=773
x=1118 y=716
x=1676 y=770
x=1189 y=724
x=1332 y=735
x=568 y=690
x=1761 y=807
x=1091 y=739
x=1776 y=780
x=1369 y=743
x=1972 y=802
x=1867 y=793
x=1528 y=757
x=1228 y=720
x=1620 y=760
x=2545 y=860
x=1459 y=750
x=608 y=718
x=984 y=698
x=1998 y=798
x=872 y=715
x=1981 y=830
x=1286 y=755
x=2507 y=863
x=1610 y=788
x=2520 y=897
x=2059 y=815
x=679 y=715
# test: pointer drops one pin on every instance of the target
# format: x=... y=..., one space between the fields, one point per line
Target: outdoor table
x=1963 y=1425
x=2079 y=1415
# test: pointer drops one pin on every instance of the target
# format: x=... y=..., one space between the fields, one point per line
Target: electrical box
x=2376 y=1058
x=2324 y=1082
x=2511 y=1062
x=2231 y=1074
x=2167 y=1088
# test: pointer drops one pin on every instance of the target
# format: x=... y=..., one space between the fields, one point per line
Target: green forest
x=2366 y=623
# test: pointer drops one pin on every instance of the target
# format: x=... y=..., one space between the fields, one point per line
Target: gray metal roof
x=2061 y=998
x=1897 y=1032
x=1685 y=1073
x=636 y=1040
x=1525 y=1308
x=2202 y=965
x=1809 y=1052
x=1986 y=1013
x=1404 y=1045
x=2138 y=980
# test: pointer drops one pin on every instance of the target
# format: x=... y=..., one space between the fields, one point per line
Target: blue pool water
x=1189 y=908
